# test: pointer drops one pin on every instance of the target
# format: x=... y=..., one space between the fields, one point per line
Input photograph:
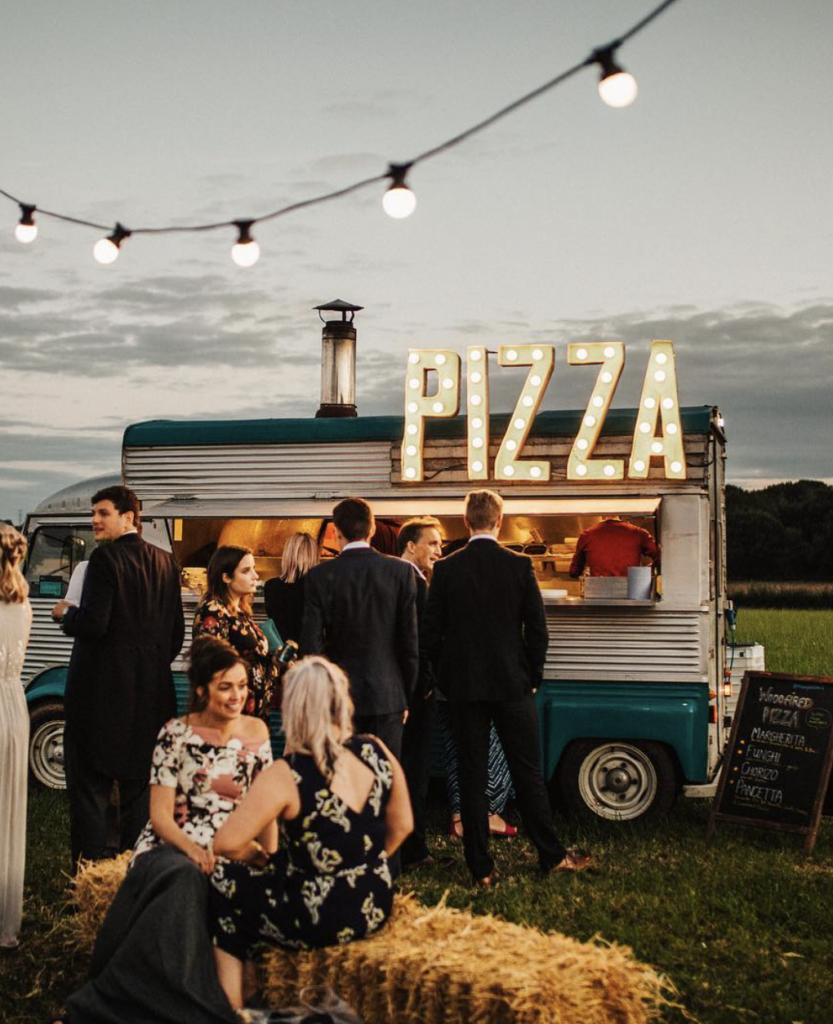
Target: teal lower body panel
x=676 y=714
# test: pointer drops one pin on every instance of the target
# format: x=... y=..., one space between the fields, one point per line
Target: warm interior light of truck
x=541 y=359
x=477 y=400
x=659 y=397
x=611 y=355
x=419 y=406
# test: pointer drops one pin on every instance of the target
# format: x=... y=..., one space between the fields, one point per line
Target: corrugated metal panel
x=258 y=471
x=47 y=644
x=621 y=646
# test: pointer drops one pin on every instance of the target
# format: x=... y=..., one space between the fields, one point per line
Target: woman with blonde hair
x=343 y=809
x=15 y=624
x=284 y=595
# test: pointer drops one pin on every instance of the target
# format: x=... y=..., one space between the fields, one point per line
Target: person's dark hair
x=207 y=656
x=224 y=561
x=123 y=499
x=353 y=518
x=412 y=531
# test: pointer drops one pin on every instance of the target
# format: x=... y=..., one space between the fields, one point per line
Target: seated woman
x=226 y=612
x=152 y=959
x=343 y=807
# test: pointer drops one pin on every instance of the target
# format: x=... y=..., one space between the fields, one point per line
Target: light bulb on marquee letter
x=611 y=354
x=659 y=396
x=477 y=407
x=507 y=463
x=419 y=406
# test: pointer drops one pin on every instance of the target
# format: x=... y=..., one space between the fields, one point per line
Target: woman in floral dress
x=343 y=807
x=152 y=959
x=226 y=612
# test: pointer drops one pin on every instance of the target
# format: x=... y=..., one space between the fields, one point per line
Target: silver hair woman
x=284 y=595
x=15 y=624
x=317 y=712
x=342 y=804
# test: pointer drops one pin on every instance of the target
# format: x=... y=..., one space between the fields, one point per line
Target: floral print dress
x=328 y=884
x=209 y=778
x=250 y=642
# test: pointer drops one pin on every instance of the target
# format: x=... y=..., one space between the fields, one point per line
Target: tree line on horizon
x=783 y=532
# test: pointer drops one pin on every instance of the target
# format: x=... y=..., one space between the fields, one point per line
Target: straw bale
x=438 y=965
x=92 y=891
x=441 y=966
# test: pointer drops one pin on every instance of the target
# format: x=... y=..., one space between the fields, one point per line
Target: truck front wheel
x=46 y=745
x=617 y=781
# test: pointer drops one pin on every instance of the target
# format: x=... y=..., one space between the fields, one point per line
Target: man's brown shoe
x=489 y=882
x=574 y=862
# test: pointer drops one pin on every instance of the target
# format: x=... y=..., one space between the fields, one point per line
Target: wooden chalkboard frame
x=811 y=830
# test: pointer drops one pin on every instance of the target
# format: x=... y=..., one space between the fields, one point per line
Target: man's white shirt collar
x=483 y=536
x=355 y=544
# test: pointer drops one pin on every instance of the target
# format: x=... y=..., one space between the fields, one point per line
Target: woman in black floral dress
x=226 y=612
x=343 y=808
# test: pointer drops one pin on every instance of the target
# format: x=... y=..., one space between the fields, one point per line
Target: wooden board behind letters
x=779 y=756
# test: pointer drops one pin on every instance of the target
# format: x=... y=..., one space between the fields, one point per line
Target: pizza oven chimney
x=338 y=359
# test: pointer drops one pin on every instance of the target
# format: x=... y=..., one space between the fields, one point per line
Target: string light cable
x=616 y=87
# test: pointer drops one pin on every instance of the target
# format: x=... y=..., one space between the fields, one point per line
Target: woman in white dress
x=15 y=623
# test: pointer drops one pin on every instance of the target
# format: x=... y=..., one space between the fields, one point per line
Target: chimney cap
x=338 y=306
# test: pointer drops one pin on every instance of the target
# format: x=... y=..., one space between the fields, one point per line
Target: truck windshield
x=54 y=552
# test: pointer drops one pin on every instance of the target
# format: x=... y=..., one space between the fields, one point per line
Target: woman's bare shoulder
x=253 y=728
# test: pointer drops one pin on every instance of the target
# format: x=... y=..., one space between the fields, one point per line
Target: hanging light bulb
x=245 y=252
x=399 y=201
x=617 y=88
x=106 y=250
x=27 y=230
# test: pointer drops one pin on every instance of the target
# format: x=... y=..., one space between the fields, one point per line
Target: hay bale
x=92 y=892
x=441 y=966
x=438 y=965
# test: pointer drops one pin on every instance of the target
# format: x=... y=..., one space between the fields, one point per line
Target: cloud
x=185 y=347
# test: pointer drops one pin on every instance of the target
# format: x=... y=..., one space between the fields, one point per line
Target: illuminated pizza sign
x=658 y=432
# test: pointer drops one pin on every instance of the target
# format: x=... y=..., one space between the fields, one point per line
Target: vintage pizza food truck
x=632 y=708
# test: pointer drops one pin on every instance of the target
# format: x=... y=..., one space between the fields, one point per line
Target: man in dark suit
x=486 y=632
x=360 y=611
x=419 y=543
x=128 y=629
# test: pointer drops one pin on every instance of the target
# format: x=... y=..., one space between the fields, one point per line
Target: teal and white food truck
x=633 y=707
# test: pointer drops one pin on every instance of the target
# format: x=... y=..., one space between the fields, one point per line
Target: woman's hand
x=204 y=859
x=255 y=854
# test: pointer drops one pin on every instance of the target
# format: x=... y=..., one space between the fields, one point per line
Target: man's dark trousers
x=99 y=828
x=416 y=763
x=516 y=723
x=387 y=728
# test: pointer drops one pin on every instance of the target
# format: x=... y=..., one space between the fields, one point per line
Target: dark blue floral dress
x=328 y=884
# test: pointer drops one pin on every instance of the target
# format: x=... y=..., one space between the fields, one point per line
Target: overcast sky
x=701 y=214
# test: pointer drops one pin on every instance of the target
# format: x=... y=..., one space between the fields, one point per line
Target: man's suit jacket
x=128 y=629
x=484 y=627
x=427 y=680
x=360 y=611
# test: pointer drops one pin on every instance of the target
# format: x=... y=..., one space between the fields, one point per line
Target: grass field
x=741 y=925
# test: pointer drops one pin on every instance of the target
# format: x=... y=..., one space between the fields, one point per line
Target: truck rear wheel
x=617 y=781
x=46 y=745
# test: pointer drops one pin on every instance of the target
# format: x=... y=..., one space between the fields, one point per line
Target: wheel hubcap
x=47 y=755
x=618 y=781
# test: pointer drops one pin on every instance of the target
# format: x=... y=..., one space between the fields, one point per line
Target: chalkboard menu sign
x=779 y=757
